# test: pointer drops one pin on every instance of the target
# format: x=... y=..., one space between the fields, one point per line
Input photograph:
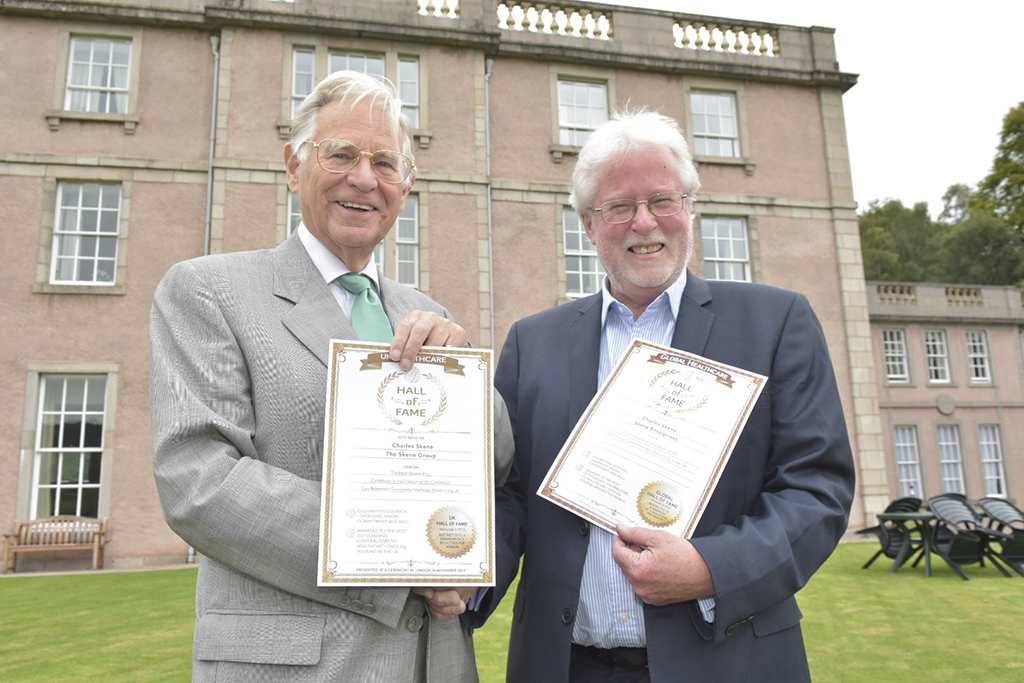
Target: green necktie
x=368 y=317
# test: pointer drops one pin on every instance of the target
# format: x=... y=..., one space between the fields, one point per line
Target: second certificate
x=653 y=442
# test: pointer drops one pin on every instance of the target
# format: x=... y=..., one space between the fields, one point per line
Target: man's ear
x=588 y=224
x=291 y=163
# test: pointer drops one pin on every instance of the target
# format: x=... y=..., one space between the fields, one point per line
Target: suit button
x=738 y=626
x=567 y=616
x=357 y=604
x=414 y=624
x=369 y=609
x=584 y=528
x=345 y=600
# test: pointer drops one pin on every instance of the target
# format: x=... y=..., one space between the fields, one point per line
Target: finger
x=410 y=335
x=635 y=535
x=425 y=591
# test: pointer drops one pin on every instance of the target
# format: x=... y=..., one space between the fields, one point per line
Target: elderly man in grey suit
x=239 y=372
x=643 y=605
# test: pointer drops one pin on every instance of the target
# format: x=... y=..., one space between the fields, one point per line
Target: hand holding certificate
x=408 y=475
x=654 y=441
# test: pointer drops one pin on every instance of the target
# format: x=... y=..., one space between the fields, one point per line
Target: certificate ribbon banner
x=653 y=443
x=408 y=481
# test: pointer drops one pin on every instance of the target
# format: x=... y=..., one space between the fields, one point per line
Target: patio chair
x=960 y=539
x=1005 y=517
x=889 y=535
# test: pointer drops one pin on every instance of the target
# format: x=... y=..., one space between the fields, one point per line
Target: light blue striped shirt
x=610 y=614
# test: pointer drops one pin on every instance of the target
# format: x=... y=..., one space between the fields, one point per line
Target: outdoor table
x=908 y=523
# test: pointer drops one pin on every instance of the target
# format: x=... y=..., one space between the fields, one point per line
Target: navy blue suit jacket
x=780 y=508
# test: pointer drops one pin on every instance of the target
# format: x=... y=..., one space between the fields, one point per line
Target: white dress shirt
x=609 y=613
x=331 y=268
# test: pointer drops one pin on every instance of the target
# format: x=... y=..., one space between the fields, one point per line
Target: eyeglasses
x=341 y=156
x=659 y=204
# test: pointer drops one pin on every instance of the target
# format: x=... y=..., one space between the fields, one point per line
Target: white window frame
x=101 y=83
x=707 y=141
x=908 y=460
x=407 y=243
x=936 y=351
x=724 y=252
x=407 y=83
x=577 y=120
x=60 y=108
x=980 y=371
x=65 y=452
x=294 y=212
x=991 y=449
x=70 y=241
x=49 y=237
x=584 y=274
x=894 y=352
x=703 y=86
x=575 y=74
x=326 y=52
x=950 y=458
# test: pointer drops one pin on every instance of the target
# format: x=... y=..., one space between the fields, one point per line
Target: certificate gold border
x=482 y=578
x=546 y=490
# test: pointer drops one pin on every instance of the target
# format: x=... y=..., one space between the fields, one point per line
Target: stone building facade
x=135 y=135
x=950 y=361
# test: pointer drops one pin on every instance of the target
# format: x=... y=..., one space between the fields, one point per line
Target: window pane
x=68 y=504
x=91 y=469
x=90 y=502
x=46 y=499
x=71 y=410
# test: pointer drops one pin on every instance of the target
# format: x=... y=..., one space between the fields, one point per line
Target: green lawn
x=860 y=626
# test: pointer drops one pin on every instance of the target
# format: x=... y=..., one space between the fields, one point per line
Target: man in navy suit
x=644 y=605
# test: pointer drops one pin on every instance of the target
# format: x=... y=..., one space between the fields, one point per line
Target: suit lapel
x=693 y=325
x=316 y=317
x=584 y=352
x=394 y=298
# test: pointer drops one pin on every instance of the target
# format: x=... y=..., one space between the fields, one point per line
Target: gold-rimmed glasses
x=341 y=156
x=659 y=204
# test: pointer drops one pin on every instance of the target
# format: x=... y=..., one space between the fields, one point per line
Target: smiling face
x=644 y=256
x=350 y=213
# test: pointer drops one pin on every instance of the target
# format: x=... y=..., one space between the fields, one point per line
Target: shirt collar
x=674 y=296
x=330 y=266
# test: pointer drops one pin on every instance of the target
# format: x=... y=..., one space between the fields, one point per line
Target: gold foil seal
x=659 y=504
x=451 y=532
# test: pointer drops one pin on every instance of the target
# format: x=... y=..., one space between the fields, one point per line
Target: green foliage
x=1002 y=191
x=966 y=245
x=860 y=626
x=898 y=243
x=978 y=238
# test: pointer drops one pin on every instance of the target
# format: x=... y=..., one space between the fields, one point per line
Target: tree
x=898 y=243
x=981 y=250
x=1002 y=191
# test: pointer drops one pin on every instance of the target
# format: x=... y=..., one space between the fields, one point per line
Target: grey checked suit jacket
x=238 y=377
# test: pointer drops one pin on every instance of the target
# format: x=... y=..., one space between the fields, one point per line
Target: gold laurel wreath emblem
x=394 y=375
x=691 y=409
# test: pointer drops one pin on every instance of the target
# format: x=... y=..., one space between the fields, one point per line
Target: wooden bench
x=51 y=534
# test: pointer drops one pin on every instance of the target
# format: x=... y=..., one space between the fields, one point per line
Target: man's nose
x=361 y=175
x=644 y=220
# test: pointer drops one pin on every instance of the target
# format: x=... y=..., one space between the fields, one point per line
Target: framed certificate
x=653 y=442
x=408 y=476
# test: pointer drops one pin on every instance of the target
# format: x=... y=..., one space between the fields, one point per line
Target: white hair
x=627 y=132
x=350 y=88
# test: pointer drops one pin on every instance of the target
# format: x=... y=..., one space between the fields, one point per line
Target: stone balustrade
x=941 y=302
x=896 y=294
x=542 y=17
x=439 y=8
x=695 y=34
x=964 y=296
